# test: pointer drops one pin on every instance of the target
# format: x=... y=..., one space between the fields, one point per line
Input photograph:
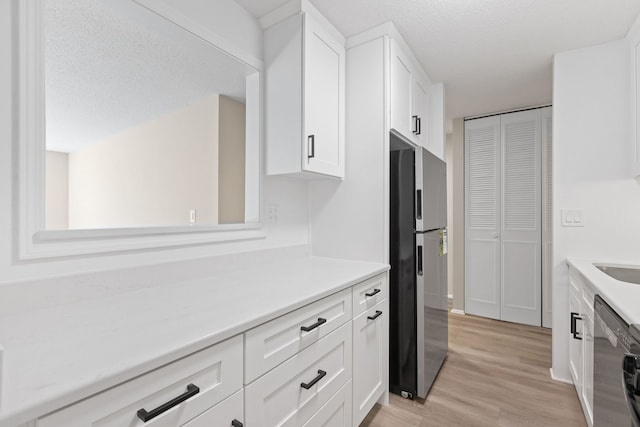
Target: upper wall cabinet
x=304 y=96
x=634 y=47
x=415 y=105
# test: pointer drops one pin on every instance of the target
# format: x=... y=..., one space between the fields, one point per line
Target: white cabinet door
x=575 y=342
x=420 y=116
x=324 y=62
x=401 y=81
x=521 y=262
x=336 y=412
x=482 y=211
x=369 y=358
x=229 y=412
x=304 y=98
x=587 y=352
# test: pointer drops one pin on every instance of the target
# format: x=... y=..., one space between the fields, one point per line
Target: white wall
x=292 y=227
x=590 y=171
x=150 y=175
x=348 y=218
x=232 y=149
x=57 y=190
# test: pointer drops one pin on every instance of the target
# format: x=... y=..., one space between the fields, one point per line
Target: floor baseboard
x=456 y=311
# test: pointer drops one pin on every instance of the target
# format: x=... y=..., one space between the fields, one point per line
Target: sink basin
x=624 y=274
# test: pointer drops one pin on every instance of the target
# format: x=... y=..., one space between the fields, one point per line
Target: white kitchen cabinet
x=304 y=96
x=336 y=412
x=207 y=377
x=370 y=360
x=581 y=295
x=229 y=412
x=274 y=342
x=291 y=393
x=409 y=97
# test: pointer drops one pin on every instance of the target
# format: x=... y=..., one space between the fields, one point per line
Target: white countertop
x=58 y=355
x=623 y=297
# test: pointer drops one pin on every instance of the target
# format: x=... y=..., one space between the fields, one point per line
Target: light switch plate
x=572 y=217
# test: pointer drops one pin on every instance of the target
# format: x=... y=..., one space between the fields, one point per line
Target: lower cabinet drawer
x=216 y=372
x=336 y=412
x=223 y=414
x=268 y=345
x=293 y=392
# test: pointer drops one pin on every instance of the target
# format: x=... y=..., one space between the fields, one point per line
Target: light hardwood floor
x=496 y=375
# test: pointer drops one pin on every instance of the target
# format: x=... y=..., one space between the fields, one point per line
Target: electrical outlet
x=572 y=217
x=272 y=213
x=192 y=216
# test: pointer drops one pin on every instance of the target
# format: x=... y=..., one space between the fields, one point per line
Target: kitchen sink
x=624 y=274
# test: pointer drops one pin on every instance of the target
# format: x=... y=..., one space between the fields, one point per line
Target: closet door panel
x=521 y=220
x=482 y=217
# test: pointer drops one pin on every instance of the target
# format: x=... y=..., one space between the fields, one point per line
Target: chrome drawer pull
x=314 y=381
x=375 y=316
x=370 y=294
x=315 y=325
x=236 y=423
x=145 y=416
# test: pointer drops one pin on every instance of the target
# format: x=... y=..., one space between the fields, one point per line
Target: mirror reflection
x=145 y=122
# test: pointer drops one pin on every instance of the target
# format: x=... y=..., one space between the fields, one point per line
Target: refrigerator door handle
x=419 y=260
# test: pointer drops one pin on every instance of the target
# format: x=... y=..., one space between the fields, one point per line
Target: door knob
x=496 y=235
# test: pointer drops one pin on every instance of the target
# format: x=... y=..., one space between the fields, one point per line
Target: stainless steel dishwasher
x=616 y=369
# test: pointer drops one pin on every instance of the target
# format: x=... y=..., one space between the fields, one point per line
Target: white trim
x=558 y=379
x=456 y=311
x=30 y=239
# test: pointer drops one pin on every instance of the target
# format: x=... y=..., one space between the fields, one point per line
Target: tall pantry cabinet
x=503 y=215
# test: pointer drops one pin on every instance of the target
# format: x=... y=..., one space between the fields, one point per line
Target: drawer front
x=336 y=412
x=278 y=398
x=274 y=342
x=370 y=358
x=369 y=293
x=216 y=370
x=223 y=414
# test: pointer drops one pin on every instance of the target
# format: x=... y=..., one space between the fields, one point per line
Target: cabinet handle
x=574 y=332
x=375 y=316
x=419 y=260
x=415 y=124
x=419 y=120
x=236 y=423
x=311 y=139
x=418 y=204
x=373 y=293
x=315 y=325
x=145 y=416
x=314 y=381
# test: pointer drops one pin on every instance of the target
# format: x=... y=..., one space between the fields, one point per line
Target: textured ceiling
x=492 y=55
x=104 y=74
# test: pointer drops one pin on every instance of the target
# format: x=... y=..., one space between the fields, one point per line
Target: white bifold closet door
x=503 y=266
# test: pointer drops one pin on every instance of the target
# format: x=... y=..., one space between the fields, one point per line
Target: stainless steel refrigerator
x=418 y=324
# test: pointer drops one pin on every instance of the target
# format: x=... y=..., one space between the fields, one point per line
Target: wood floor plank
x=496 y=375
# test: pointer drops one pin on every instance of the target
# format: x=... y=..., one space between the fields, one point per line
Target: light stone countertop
x=623 y=297
x=55 y=356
